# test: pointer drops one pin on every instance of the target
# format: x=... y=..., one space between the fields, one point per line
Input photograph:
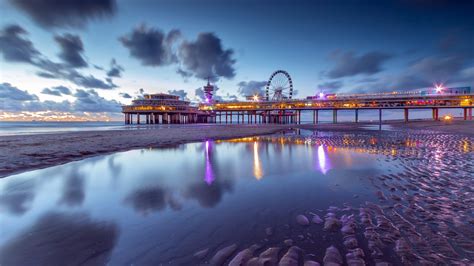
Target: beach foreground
x=29 y=152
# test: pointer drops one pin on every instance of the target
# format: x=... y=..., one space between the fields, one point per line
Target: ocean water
x=397 y=197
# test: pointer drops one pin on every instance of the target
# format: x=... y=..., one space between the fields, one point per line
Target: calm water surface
x=161 y=206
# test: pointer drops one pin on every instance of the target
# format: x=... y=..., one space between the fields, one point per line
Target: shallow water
x=161 y=206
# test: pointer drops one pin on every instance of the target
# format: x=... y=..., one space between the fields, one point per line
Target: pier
x=278 y=105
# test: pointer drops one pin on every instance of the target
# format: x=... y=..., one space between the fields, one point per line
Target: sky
x=81 y=60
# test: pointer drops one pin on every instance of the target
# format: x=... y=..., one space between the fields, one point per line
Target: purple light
x=207 y=100
x=323 y=160
x=321 y=95
x=209 y=175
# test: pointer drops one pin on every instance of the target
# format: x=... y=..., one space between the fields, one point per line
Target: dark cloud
x=115 y=69
x=15 y=47
x=57 y=91
x=153 y=198
x=11 y=93
x=17 y=196
x=247 y=88
x=73 y=189
x=125 y=95
x=66 y=13
x=349 y=64
x=181 y=93
x=71 y=50
x=13 y=99
x=62 y=239
x=183 y=73
x=151 y=46
x=331 y=86
x=206 y=57
x=54 y=70
x=90 y=101
x=208 y=195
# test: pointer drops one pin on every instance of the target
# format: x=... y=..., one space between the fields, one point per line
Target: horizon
x=80 y=61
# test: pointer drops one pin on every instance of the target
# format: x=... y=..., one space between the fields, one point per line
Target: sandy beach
x=28 y=152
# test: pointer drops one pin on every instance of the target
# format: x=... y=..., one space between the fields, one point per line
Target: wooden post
x=334 y=116
x=380 y=118
x=465 y=113
x=406 y=115
x=357 y=115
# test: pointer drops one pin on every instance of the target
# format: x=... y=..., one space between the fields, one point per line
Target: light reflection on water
x=154 y=206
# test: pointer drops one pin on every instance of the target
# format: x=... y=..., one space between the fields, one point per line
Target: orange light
x=447 y=118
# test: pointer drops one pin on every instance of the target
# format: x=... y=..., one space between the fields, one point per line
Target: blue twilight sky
x=56 y=58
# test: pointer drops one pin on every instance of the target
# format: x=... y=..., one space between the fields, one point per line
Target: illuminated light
x=256 y=98
x=322 y=160
x=439 y=88
x=257 y=168
x=447 y=118
x=321 y=95
x=209 y=175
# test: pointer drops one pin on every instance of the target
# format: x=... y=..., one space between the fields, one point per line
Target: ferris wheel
x=279 y=86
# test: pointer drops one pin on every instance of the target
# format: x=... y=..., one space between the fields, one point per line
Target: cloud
x=181 y=93
x=17 y=196
x=332 y=86
x=247 y=88
x=57 y=91
x=90 y=101
x=115 y=69
x=65 y=13
x=151 y=46
x=206 y=57
x=71 y=50
x=153 y=198
x=11 y=93
x=13 y=99
x=14 y=47
x=125 y=95
x=349 y=64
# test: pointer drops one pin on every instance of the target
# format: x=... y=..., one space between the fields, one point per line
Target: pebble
x=201 y=254
x=302 y=220
x=222 y=255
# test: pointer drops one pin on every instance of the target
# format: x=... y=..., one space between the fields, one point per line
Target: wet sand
x=29 y=152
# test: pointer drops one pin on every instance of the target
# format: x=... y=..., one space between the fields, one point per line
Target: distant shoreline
x=23 y=153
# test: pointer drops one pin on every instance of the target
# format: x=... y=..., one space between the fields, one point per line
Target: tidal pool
x=294 y=197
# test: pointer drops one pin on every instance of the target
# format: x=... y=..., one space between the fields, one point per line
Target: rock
x=242 y=257
x=332 y=256
x=347 y=230
x=332 y=224
x=311 y=263
x=288 y=242
x=316 y=219
x=269 y=231
x=201 y=254
x=302 y=220
x=222 y=255
x=291 y=257
x=350 y=243
x=268 y=257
